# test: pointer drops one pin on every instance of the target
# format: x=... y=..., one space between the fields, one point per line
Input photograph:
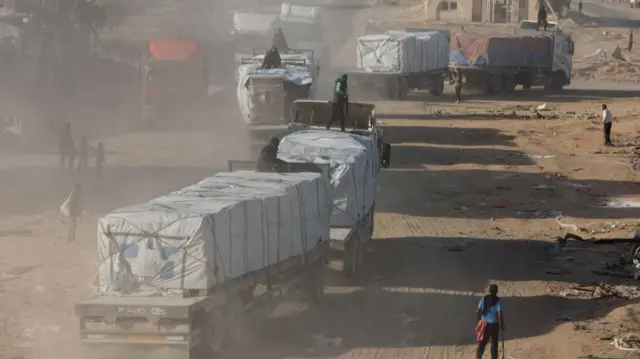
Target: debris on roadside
x=601 y=291
x=574 y=227
x=321 y=341
x=629 y=342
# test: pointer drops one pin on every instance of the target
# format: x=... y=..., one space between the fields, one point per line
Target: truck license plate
x=146 y=338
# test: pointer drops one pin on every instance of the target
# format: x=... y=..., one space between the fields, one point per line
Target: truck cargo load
x=221 y=229
x=298 y=70
x=402 y=52
x=354 y=166
x=500 y=50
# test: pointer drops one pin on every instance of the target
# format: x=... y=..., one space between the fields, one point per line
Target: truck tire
x=350 y=266
x=495 y=83
x=393 y=88
x=235 y=322
x=556 y=82
x=437 y=85
x=213 y=332
x=527 y=82
x=403 y=88
x=315 y=282
x=509 y=83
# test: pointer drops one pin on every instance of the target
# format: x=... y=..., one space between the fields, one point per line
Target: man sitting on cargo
x=271 y=59
x=279 y=41
x=340 y=102
x=542 y=18
x=268 y=160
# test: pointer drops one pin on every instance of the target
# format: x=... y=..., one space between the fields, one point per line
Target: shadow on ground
x=412 y=157
x=412 y=302
x=447 y=136
x=499 y=194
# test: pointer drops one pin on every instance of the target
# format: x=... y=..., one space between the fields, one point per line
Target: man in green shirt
x=340 y=102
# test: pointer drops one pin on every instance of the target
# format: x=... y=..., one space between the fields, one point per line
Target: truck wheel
x=213 y=333
x=235 y=322
x=315 y=282
x=508 y=83
x=558 y=80
x=403 y=89
x=495 y=83
x=350 y=266
x=393 y=90
x=437 y=85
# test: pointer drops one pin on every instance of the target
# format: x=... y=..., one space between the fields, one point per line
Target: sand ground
x=471 y=198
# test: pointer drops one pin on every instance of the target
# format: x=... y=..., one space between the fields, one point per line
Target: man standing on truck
x=279 y=41
x=340 y=102
x=271 y=59
x=607 y=119
x=268 y=160
x=542 y=18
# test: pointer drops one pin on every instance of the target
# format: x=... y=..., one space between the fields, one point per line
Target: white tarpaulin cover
x=398 y=51
x=219 y=229
x=248 y=22
x=354 y=162
x=288 y=11
x=299 y=73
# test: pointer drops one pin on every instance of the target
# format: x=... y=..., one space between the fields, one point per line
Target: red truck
x=174 y=77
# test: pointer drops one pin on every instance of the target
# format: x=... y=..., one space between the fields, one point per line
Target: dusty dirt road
x=471 y=199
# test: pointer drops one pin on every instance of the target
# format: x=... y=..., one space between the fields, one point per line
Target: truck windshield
x=302 y=32
x=172 y=72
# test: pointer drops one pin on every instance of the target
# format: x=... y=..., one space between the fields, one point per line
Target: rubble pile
x=612 y=70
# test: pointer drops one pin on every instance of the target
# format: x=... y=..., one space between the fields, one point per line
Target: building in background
x=496 y=11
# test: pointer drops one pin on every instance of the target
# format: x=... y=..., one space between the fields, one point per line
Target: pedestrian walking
x=580 y=6
x=630 y=45
x=83 y=154
x=607 y=120
x=100 y=159
x=72 y=209
x=458 y=85
x=490 y=322
x=66 y=147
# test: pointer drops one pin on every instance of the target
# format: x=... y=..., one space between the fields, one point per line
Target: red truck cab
x=174 y=76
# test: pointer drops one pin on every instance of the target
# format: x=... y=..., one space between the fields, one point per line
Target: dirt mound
x=613 y=70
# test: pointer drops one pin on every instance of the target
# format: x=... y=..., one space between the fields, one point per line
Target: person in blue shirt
x=491 y=322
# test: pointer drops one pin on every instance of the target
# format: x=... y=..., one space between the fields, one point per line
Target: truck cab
x=174 y=75
x=563 y=50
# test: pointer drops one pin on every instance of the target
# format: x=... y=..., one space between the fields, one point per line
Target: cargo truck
x=498 y=63
x=354 y=159
x=177 y=273
x=393 y=63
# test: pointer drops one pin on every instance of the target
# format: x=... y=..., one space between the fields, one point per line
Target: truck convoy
x=179 y=271
x=396 y=62
x=266 y=96
x=498 y=63
x=174 y=77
